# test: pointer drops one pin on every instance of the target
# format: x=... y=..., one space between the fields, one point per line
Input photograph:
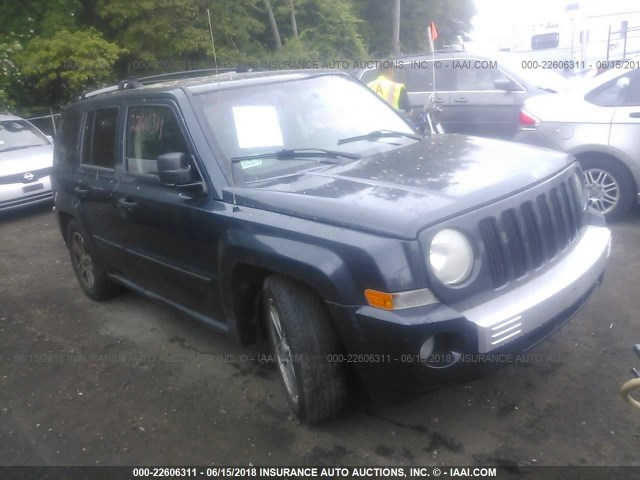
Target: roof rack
x=132 y=83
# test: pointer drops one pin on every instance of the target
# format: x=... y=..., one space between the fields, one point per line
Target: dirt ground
x=131 y=381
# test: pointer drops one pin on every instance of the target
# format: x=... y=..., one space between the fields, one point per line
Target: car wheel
x=609 y=186
x=303 y=339
x=88 y=269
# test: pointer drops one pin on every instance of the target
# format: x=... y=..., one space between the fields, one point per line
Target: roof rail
x=133 y=83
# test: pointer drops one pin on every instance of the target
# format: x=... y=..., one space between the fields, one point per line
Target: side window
x=419 y=76
x=369 y=76
x=66 y=144
x=99 y=138
x=544 y=41
x=151 y=132
x=471 y=78
x=621 y=91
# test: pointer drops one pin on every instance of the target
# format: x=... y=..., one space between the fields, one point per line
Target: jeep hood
x=401 y=191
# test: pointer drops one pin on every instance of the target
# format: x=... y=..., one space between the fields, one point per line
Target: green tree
x=9 y=74
x=326 y=29
x=174 y=34
x=60 y=67
x=452 y=17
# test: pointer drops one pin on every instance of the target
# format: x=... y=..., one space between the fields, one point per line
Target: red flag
x=434 y=32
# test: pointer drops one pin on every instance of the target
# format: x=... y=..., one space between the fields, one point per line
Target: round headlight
x=581 y=191
x=451 y=257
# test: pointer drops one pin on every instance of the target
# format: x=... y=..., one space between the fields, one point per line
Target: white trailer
x=584 y=32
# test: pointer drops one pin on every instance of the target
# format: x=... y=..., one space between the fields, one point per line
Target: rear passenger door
x=625 y=127
x=171 y=237
x=477 y=106
x=94 y=183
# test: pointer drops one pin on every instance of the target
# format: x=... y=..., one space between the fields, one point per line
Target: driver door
x=170 y=234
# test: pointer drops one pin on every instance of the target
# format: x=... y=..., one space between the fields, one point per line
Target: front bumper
x=530 y=306
x=384 y=346
x=16 y=195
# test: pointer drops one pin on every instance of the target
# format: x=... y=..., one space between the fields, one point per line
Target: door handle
x=461 y=100
x=126 y=203
x=634 y=115
x=439 y=100
x=81 y=191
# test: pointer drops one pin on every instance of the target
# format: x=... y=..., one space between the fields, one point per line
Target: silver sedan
x=26 y=160
x=599 y=123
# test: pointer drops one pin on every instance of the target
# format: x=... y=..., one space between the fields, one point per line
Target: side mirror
x=504 y=84
x=175 y=169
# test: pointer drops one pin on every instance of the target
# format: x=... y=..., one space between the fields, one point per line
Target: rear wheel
x=303 y=340
x=87 y=267
x=610 y=187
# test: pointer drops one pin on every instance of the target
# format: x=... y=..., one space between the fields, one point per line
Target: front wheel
x=610 y=187
x=303 y=339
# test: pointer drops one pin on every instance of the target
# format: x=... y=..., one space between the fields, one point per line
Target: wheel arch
x=63 y=221
x=244 y=269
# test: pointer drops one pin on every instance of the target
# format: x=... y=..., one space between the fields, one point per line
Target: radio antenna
x=213 y=45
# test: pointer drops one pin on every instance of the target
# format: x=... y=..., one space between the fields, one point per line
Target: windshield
x=312 y=113
x=16 y=134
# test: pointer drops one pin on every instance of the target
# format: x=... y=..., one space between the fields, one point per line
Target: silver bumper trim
x=531 y=305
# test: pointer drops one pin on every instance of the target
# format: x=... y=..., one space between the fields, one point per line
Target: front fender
x=314 y=265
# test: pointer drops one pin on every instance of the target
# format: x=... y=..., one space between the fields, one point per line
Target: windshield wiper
x=376 y=134
x=297 y=154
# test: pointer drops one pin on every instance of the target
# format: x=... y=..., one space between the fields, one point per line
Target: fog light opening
x=439 y=351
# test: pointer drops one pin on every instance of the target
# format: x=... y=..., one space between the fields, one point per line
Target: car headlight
x=581 y=191
x=451 y=256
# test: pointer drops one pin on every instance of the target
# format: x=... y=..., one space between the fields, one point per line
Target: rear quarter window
x=67 y=141
x=99 y=138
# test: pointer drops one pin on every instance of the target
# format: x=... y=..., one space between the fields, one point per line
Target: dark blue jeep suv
x=299 y=207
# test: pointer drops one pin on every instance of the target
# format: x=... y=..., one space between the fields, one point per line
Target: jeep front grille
x=523 y=238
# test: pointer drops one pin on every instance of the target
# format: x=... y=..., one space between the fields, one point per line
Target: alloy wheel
x=83 y=261
x=603 y=189
x=283 y=352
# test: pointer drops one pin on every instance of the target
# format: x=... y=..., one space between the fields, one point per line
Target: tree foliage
x=64 y=64
x=51 y=50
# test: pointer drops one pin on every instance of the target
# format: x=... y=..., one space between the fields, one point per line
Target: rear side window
x=420 y=75
x=67 y=139
x=621 y=91
x=151 y=132
x=474 y=78
x=99 y=138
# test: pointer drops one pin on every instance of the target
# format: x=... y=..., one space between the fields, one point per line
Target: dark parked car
x=478 y=95
x=300 y=204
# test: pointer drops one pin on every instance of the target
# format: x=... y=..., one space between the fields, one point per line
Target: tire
x=89 y=271
x=301 y=331
x=611 y=188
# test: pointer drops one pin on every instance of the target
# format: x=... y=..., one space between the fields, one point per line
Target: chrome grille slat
x=495 y=252
x=536 y=248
